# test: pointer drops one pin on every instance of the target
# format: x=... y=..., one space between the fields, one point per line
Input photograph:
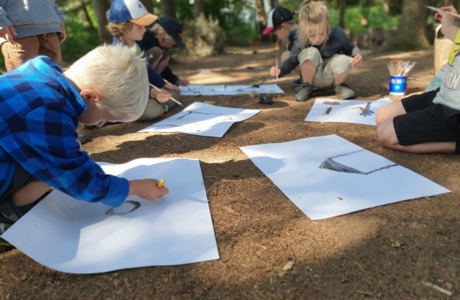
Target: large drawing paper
x=346 y=111
x=329 y=176
x=79 y=237
x=202 y=119
x=213 y=90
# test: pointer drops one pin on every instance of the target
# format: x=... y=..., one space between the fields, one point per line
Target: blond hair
x=119 y=29
x=161 y=34
x=312 y=14
x=119 y=76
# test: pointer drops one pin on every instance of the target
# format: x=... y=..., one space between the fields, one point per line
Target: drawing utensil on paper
x=169 y=98
x=448 y=12
x=276 y=61
x=161 y=183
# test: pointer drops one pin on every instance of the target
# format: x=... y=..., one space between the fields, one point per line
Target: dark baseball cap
x=173 y=28
x=276 y=17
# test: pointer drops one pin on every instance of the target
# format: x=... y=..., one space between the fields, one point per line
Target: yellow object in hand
x=161 y=183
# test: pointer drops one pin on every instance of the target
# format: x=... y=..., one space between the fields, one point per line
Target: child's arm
x=146 y=189
x=290 y=64
x=448 y=22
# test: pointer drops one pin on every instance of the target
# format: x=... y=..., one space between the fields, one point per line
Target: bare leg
x=308 y=71
x=389 y=111
x=163 y=64
x=339 y=78
x=387 y=136
x=30 y=193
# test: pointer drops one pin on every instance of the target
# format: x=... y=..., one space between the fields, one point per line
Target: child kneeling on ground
x=164 y=35
x=325 y=54
x=41 y=107
x=428 y=122
x=280 y=21
x=127 y=21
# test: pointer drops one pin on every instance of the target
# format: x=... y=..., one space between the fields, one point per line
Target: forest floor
x=386 y=252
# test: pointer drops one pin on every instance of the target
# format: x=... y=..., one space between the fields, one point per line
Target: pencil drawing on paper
x=127 y=207
x=331 y=163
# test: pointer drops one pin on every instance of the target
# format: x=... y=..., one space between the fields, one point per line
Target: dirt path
x=384 y=252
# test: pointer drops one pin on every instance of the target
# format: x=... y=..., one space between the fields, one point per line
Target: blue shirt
x=38 y=131
x=149 y=41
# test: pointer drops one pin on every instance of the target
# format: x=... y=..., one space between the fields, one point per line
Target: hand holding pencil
x=147 y=189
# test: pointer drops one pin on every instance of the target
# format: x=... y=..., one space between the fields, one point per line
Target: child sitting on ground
x=281 y=22
x=428 y=122
x=165 y=34
x=41 y=107
x=127 y=21
x=325 y=54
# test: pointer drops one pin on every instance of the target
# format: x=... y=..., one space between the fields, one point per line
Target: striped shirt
x=39 y=108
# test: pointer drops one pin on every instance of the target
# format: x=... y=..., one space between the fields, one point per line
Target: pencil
x=276 y=61
x=448 y=12
x=170 y=98
x=161 y=183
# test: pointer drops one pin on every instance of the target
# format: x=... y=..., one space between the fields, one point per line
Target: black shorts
x=427 y=122
x=20 y=179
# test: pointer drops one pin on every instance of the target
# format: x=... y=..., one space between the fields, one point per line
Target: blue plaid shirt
x=38 y=130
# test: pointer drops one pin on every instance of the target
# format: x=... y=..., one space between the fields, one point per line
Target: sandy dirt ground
x=386 y=252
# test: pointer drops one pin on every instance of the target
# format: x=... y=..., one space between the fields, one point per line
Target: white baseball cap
x=130 y=10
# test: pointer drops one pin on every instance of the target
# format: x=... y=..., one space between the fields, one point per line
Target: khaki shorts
x=153 y=109
x=29 y=47
x=325 y=68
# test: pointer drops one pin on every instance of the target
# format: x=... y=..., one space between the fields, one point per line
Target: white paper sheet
x=78 y=237
x=202 y=119
x=214 y=90
x=329 y=176
x=346 y=111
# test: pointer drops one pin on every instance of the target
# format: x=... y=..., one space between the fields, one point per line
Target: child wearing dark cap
x=281 y=22
x=127 y=21
x=164 y=34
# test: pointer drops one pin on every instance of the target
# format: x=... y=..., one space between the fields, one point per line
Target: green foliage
x=82 y=34
x=241 y=33
x=376 y=17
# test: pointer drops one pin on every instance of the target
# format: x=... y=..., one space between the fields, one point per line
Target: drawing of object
x=366 y=111
x=126 y=207
x=333 y=164
x=189 y=117
x=328 y=110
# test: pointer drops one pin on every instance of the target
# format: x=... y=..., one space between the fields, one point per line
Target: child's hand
x=146 y=189
x=183 y=82
x=274 y=71
x=7 y=33
x=357 y=60
x=173 y=87
x=161 y=95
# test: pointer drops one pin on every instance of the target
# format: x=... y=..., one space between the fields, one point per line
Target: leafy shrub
x=203 y=37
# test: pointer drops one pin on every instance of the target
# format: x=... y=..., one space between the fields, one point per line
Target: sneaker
x=344 y=92
x=298 y=81
x=165 y=107
x=304 y=92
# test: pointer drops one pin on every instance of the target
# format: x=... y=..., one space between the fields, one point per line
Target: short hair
x=161 y=34
x=312 y=13
x=119 y=76
x=119 y=29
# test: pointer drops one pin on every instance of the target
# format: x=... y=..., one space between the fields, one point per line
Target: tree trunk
x=199 y=8
x=412 y=25
x=168 y=8
x=342 y=13
x=148 y=5
x=274 y=3
x=261 y=18
x=101 y=7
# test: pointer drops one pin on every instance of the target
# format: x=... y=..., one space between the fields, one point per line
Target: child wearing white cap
x=127 y=21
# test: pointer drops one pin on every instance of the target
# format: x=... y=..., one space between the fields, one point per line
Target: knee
x=386 y=136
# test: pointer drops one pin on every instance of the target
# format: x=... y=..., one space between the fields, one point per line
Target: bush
x=204 y=37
